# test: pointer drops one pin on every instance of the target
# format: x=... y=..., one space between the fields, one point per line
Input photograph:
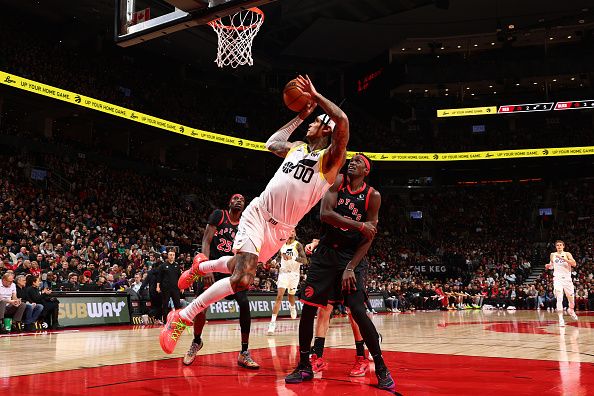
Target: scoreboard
x=518 y=108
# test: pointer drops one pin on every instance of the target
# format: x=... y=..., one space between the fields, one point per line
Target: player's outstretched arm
x=336 y=154
x=279 y=143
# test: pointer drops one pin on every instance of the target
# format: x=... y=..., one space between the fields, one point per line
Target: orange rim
x=216 y=23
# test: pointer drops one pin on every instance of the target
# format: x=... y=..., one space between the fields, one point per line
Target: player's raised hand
x=309 y=108
x=368 y=230
x=305 y=84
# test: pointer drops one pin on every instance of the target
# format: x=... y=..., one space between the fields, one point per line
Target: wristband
x=349 y=269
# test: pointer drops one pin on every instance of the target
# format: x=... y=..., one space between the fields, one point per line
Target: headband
x=365 y=160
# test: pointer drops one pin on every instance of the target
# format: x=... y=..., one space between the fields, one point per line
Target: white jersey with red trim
x=561 y=268
x=296 y=187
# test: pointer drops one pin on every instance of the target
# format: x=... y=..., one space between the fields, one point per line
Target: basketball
x=294 y=98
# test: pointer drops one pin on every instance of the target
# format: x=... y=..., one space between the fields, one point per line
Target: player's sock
x=360 y=347
x=318 y=347
x=219 y=290
x=218 y=265
x=244 y=347
x=197 y=338
x=273 y=319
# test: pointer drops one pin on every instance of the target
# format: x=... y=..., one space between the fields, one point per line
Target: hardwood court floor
x=429 y=353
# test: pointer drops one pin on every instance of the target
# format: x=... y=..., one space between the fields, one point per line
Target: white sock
x=273 y=318
x=217 y=265
x=292 y=306
x=219 y=290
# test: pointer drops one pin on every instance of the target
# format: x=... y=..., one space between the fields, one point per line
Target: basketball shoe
x=172 y=330
x=571 y=313
x=317 y=363
x=303 y=372
x=193 y=274
x=385 y=380
x=293 y=310
x=360 y=368
x=245 y=360
x=271 y=328
x=192 y=353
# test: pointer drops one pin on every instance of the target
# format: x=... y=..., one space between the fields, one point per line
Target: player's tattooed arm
x=279 y=143
x=301 y=257
x=336 y=154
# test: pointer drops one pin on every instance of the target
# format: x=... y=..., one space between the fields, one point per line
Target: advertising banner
x=91 y=310
x=261 y=306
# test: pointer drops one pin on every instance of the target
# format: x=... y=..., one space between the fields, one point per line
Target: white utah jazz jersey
x=561 y=269
x=291 y=265
x=297 y=186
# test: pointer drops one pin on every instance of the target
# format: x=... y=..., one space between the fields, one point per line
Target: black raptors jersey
x=352 y=205
x=222 y=241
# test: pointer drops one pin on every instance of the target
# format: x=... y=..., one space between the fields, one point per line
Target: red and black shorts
x=323 y=284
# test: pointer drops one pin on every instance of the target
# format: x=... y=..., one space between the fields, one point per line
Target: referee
x=167 y=283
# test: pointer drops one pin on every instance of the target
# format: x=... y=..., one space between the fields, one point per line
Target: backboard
x=137 y=21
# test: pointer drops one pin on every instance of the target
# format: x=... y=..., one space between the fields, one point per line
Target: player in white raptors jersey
x=291 y=257
x=307 y=172
x=561 y=263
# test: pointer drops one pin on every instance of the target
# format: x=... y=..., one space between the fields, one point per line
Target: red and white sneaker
x=317 y=364
x=172 y=330
x=360 y=368
x=193 y=274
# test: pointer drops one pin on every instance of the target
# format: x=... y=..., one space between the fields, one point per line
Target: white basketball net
x=236 y=33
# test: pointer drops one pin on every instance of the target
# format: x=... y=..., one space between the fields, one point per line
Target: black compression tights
x=245 y=317
x=356 y=303
x=306 y=327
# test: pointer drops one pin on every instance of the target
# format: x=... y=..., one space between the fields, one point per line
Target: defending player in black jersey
x=349 y=213
x=217 y=241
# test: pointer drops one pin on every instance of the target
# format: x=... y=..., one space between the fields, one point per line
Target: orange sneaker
x=360 y=368
x=193 y=274
x=317 y=364
x=172 y=330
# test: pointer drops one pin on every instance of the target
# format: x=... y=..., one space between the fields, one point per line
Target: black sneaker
x=385 y=380
x=303 y=372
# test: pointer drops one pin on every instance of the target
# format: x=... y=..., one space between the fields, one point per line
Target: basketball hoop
x=236 y=33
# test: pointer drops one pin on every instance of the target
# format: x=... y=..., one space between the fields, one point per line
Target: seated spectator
x=32 y=310
x=581 y=299
x=45 y=298
x=10 y=304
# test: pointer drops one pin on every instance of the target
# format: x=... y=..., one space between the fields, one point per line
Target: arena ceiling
x=331 y=32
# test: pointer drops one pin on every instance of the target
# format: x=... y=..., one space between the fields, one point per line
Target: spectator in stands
x=10 y=304
x=32 y=310
x=45 y=298
x=532 y=298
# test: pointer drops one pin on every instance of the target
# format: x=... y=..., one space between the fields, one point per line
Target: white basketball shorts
x=289 y=281
x=259 y=233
